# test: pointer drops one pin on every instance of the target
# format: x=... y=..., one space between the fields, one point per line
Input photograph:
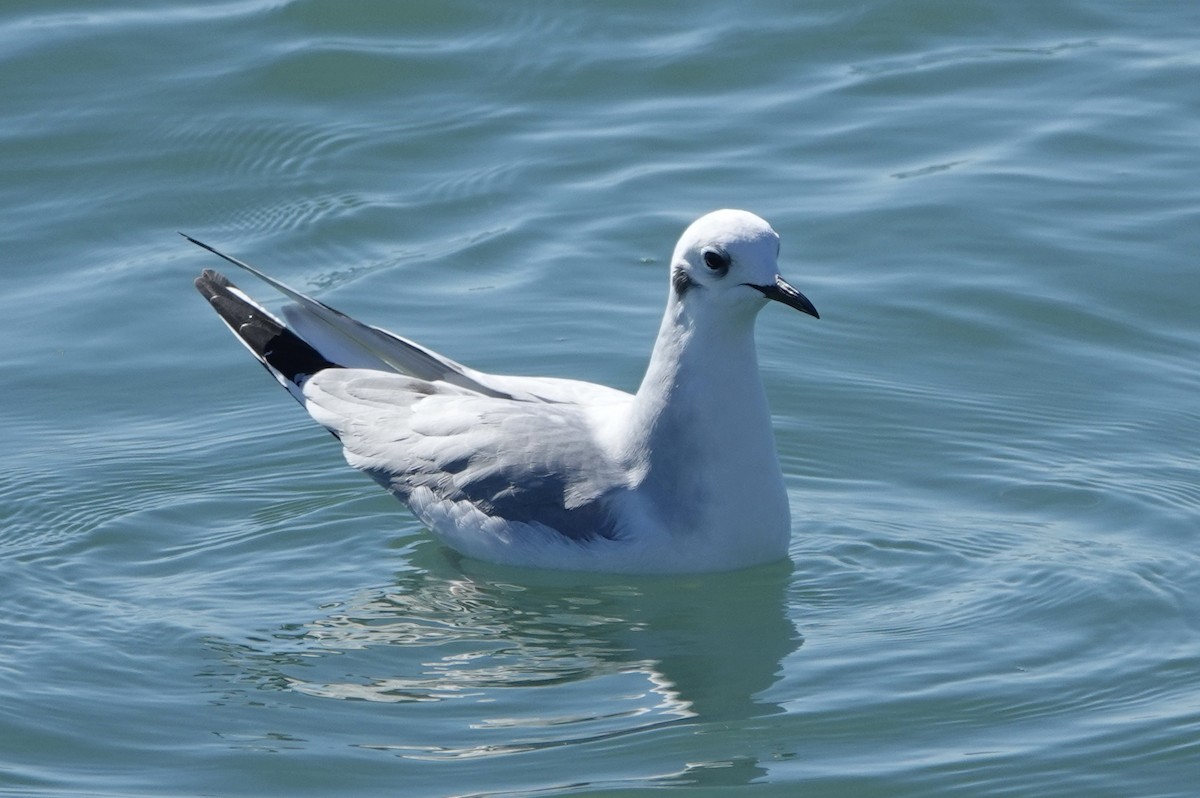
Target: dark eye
x=716 y=259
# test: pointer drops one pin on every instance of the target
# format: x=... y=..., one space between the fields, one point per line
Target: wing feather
x=511 y=461
x=350 y=343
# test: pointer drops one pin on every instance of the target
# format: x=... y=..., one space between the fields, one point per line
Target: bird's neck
x=701 y=367
x=701 y=404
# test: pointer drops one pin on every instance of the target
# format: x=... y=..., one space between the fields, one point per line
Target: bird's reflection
x=544 y=659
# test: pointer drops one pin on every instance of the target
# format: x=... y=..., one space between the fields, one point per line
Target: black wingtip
x=279 y=349
x=218 y=253
x=202 y=245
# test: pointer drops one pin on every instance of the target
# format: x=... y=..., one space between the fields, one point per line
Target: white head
x=728 y=259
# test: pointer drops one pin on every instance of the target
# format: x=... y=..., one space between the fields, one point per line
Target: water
x=990 y=437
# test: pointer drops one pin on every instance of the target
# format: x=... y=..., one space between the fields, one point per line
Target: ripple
x=263 y=147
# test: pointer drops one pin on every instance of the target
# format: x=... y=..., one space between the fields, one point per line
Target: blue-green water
x=991 y=438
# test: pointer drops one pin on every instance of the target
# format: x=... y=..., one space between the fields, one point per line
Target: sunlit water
x=991 y=438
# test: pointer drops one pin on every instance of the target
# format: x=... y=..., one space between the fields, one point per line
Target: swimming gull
x=682 y=476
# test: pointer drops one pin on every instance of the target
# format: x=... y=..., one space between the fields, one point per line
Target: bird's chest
x=714 y=470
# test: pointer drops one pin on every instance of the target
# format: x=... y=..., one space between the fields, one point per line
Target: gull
x=682 y=476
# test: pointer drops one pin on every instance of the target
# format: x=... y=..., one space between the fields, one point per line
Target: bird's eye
x=716 y=259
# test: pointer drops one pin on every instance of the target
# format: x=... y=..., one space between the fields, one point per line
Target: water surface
x=991 y=438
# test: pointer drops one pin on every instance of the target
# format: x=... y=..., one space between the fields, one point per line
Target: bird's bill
x=783 y=292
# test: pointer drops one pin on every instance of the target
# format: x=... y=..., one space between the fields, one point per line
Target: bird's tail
x=290 y=359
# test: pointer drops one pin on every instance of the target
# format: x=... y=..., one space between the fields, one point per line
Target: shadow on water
x=523 y=660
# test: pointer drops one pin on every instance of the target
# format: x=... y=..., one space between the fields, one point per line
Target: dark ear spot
x=681 y=281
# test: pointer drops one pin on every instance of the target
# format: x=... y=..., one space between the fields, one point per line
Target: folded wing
x=451 y=454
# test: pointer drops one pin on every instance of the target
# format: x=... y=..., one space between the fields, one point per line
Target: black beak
x=783 y=292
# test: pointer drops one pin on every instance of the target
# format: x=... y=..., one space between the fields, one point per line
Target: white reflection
x=538 y=660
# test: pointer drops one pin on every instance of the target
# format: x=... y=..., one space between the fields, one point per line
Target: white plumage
x=681 y=476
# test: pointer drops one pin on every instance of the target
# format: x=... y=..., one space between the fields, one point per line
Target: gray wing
x=350 y=343
x=520 y=463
